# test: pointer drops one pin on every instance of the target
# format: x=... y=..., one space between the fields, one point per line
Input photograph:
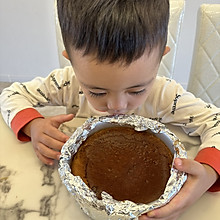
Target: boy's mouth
x=112 y=112
x=117 y=112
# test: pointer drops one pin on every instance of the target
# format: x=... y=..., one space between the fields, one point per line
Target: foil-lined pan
x=107 y=207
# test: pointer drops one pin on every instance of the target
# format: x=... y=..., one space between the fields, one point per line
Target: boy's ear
x=167 y=50
x=64 y=53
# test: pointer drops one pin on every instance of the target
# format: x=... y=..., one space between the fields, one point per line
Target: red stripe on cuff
x=21 y=119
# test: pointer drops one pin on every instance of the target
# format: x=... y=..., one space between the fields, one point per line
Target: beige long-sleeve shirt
x=168 y=102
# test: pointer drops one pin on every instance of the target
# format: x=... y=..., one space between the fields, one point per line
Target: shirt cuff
x=21 y=119
x=211 y=157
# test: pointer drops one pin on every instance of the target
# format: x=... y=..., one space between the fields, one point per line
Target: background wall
x=28 y=39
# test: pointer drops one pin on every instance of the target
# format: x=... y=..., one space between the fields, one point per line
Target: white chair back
x=204 y=81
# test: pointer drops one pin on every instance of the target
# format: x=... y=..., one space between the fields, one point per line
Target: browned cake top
x=128 y=164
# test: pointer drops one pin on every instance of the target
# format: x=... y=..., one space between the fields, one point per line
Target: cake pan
x=107 y=207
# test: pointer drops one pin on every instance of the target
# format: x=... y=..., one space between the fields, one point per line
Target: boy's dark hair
x=114 y=30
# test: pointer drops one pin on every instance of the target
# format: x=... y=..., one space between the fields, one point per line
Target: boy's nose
x=117 y=104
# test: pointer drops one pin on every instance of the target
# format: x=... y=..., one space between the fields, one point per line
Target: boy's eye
x=96 y=94
x=138 y=92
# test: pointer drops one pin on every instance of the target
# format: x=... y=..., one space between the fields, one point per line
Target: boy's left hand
x=200 y=178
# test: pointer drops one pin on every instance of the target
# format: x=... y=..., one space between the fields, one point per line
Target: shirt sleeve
x=59 y=88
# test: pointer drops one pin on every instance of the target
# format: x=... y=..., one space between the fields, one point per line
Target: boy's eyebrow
x=91 y=87
x=131 y=87
x=142 y=84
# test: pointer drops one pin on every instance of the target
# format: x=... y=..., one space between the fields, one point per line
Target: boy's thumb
x=59 y=119
x=188 y=166
x=68 y=117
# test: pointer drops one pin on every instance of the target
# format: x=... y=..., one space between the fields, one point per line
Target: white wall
x=28 y=39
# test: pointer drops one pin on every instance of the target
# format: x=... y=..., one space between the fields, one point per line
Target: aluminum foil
x=107 y=207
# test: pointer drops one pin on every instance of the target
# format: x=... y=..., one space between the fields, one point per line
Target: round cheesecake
x=127 y=164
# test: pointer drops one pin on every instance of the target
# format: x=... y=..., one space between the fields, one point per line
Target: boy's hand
x=47 y=140
x=200 y=178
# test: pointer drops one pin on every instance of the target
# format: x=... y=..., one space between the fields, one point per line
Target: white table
x=30 y=190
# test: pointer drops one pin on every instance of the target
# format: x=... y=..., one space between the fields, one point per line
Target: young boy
x=115 y=48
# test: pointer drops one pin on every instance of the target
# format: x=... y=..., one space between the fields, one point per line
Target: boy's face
x=115 y=88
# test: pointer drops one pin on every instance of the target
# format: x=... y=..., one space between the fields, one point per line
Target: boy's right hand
x=47 y=140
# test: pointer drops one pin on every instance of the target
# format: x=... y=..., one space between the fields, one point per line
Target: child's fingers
x=47 y=140
x=46 y=155
x=171 y=211
x=47 y=152
x=144 y=217
x=44 y=159
x=54 y=138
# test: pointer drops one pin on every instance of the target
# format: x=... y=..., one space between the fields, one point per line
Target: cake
x=127 y=164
